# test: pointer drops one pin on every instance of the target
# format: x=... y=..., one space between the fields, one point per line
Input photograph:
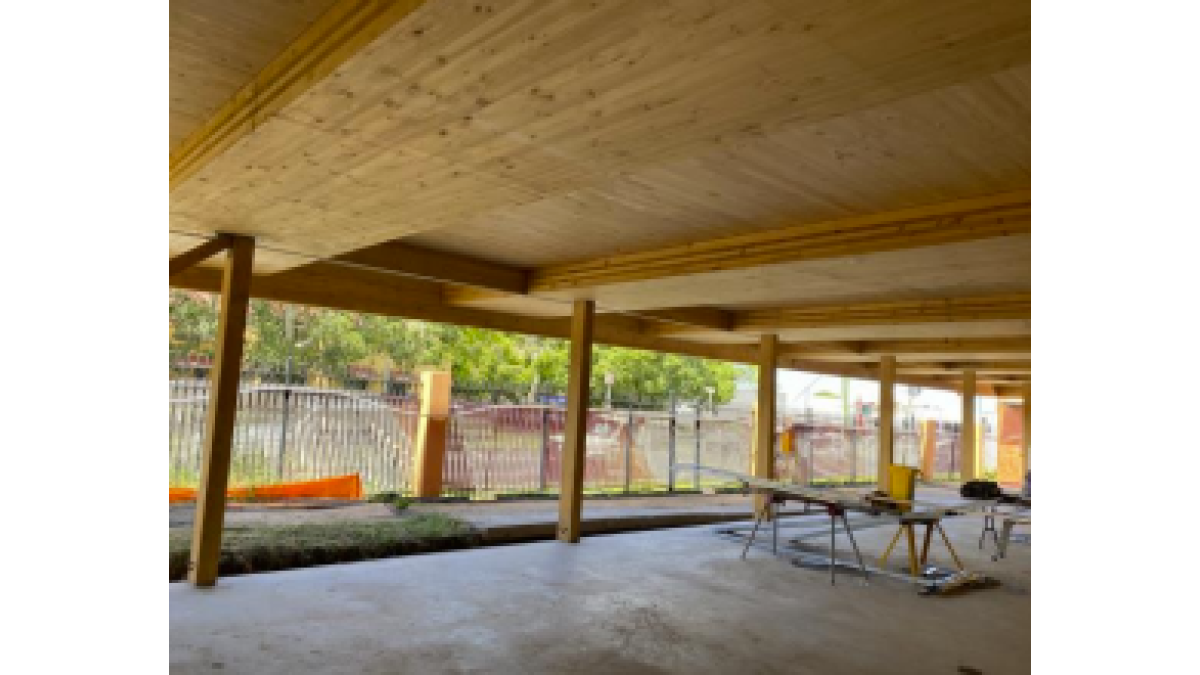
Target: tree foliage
x=329 y=342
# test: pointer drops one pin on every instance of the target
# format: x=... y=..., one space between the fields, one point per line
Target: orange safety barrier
x=341 y=487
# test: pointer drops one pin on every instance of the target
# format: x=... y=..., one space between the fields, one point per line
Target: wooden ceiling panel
x=961 y=141
x=217 y=46
x=999 y=265
x=497 y=107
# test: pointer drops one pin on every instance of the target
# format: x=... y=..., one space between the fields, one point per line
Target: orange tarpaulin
x=341 y=487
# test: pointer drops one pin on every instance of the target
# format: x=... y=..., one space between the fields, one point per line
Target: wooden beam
x=686 y=320
x=964 y=348
x=440 y=266
x=1016 y=367
x=222 y=412
x=984 y=386
x=190 y=258
x=948 y=310
x=669 y=321
x=967 y=220
x=968 y=453
x=997 y=382
x=764 y=420
x=827 y=349
x=329 y=284
x=887 y=422
x=345 y=28
x=574 y=452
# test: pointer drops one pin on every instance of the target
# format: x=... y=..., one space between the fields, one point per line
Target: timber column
x=887 y=422
x=764 y=420
x=222 y=413
x=967 y=441
x=574 y=453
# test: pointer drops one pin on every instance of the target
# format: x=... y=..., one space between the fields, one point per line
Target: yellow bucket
x=902 y=482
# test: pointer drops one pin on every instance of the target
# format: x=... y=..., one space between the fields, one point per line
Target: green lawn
x=247 y=549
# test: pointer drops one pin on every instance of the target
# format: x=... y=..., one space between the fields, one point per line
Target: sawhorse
x=908 y=525
x=835 y=511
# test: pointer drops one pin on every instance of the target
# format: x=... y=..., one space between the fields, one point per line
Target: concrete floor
x=511 y=521
x=673 y=601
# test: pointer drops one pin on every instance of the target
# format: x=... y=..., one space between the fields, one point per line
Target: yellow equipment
x=902 y=489
x=902 y=485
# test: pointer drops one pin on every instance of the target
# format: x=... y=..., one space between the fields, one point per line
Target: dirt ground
x=481 y=514
x=182 y=515
x=503 y=513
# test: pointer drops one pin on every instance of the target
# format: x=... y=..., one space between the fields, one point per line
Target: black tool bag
x=981 y=489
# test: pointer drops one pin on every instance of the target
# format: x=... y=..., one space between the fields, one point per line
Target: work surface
x=677 y=601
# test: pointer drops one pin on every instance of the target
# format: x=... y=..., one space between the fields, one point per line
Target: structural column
x=968 y=443
x=574 y=454
x=1028 y=419
x=432 y=427
x=764 y=420
x=222 y=412
x=887 y=421
x=928 y=436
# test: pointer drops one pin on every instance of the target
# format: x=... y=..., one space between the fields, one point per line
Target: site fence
x=289 y=432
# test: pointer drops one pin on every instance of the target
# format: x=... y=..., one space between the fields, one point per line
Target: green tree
x=328 y=342
x=658 y=377
x=331 y=341
x=193 y=323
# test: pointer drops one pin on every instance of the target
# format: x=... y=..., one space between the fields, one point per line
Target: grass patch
x=249 y=549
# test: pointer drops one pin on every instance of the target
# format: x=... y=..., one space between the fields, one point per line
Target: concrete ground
x=502 y=521
x=669 y=601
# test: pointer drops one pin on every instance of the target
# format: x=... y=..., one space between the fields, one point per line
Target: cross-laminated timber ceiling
x=526 y=126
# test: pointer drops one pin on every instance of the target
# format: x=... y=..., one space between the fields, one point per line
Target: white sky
x=798 y=388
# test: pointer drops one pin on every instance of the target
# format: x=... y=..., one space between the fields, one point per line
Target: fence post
x=853 y=452
x=629 y=451
x=544 y=457
x=287 y=404
x=671 y=451
x=696 y=464
x=954 y=450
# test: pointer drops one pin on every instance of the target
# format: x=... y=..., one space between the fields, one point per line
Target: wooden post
x=887 y=421
x=432 y=428
x=222 y=412
x=967 y=443
x=764 y=419
x=1027 y=395
x=929 y=449
x=574 y=453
